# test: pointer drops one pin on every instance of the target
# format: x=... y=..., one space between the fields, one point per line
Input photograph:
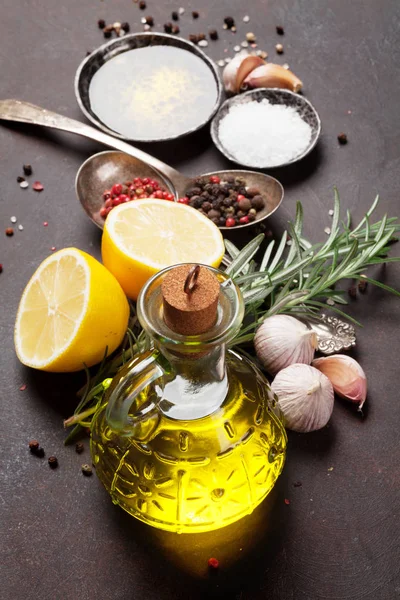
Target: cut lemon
x=70 y=311
x=142 y=237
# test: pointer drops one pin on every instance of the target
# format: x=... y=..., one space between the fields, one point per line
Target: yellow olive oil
x=196 y=475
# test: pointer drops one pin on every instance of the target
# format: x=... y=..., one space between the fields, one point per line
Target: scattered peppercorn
x=37 y=186
x=20 y=179
x=279 y=48
x=287 y=501
x=9 y=231
x=229 y=22
x=352 y=291
x=201 y=37
x=175 y=30
x=195 y=14
x=33 y=445
x=142 y=5
x=125 y=27
x=53 y=462
x=101 y=23
x=279 y=30
x=106 y=33
x=1 y=268
x=213 y=563
x=150 y=21
x=22 y=387
x=87 y=470
x=362 y=285
x=342 y=138
x=213 y=34
x=79 y=447
x=297 y=484
x=193 y=38
x=168 y=27
x=175 y=16
x=36 y=449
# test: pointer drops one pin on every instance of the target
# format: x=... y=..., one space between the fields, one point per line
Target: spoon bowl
x=99 y=172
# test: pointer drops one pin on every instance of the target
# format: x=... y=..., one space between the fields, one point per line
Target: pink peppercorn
x=230 y=222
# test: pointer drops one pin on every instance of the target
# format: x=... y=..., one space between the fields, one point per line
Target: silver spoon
x=100 y=171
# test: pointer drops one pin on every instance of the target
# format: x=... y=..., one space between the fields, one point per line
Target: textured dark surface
x=338 y=538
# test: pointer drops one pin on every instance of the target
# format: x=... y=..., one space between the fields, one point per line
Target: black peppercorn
x=168 y=27
x=87 y=470
x=257 y=202
x=20 y=179
x=106 y=33
x=142 y=5
x=206 y=206
x=252 y=191
x=175 y=16
x=196 y=201
x=213 y=33
x=352 y=291
x=53 y=462
x=279 y=30
x=79 y=447
x=101 y=23
x=125 y=27
x=195 y=14
x=33 y=446
x=342 y=138
x=229 y=22
x=39 y=452
x=150 y=21
x=27 y=169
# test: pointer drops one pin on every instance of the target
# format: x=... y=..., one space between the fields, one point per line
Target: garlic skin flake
x=305 y=397
x=282 y=340
x=346 y=375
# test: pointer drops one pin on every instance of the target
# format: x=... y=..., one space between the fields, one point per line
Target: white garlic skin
x=346 y=376
x=282 y=340
x=305 y=397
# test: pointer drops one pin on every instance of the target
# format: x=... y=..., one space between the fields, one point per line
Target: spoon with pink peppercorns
x=231 y=199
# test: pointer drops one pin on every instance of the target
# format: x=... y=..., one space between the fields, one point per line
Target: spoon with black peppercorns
x=230 y=198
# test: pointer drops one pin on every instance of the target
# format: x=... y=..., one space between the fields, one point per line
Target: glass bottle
x=189 y=437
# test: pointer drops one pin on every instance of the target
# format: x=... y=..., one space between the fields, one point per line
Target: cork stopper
x=190 y=299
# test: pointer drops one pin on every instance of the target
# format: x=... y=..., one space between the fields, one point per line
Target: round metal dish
x=92 y=63
x=275 y=96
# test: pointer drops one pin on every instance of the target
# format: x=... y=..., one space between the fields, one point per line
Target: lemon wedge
x=70 y=311
x=142 y=237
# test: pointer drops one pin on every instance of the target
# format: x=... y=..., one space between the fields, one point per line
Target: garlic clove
x=282 y=340
x=305 y=397
x=237 y=70
x=270 y=75
x=346 y=375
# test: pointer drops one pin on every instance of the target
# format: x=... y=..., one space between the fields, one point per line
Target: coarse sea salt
x=261 y=134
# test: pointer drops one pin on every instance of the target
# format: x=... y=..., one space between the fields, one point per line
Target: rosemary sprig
x=297 y=281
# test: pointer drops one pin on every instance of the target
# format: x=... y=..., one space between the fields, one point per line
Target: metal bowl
x=275 y=96
x=92 y=63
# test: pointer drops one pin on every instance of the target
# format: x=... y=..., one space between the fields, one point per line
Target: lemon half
x=70 y=311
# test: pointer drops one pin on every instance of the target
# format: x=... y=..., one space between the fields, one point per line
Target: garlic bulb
x=237 y=70
x=270 y=75
x=346 y=375
x=305 y=397
x=282 y=340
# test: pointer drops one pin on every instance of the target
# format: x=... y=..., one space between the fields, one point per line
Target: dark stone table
x=62 y=539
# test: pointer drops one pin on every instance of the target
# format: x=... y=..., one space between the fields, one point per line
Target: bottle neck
x=197 y=386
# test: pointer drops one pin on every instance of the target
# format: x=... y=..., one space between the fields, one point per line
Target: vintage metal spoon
x=99 y=171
